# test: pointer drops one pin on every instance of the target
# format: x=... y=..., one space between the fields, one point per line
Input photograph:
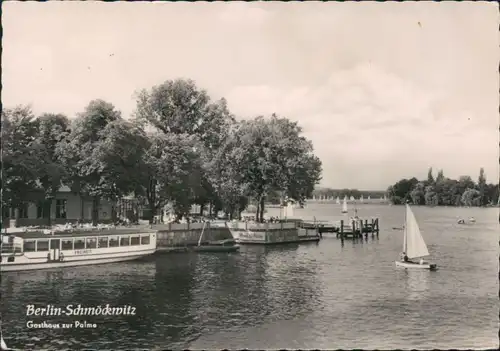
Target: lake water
x=306 y=296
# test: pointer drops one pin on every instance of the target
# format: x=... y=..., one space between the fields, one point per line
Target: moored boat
x=226 y=245
x=413 y=245
x=37 y=250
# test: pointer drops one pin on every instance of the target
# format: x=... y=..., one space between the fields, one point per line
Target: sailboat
x=344 y=205
x=361 y=199
x=337 y=200
x=413 y=244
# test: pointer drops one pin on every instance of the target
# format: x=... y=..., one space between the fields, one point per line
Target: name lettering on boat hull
x=83 y=252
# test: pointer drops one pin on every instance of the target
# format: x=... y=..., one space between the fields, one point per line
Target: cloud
x=366 y=115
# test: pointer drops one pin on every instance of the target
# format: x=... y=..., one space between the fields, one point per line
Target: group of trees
x=180 y=148
x=443 y=191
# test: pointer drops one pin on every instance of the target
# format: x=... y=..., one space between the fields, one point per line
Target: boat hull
x=84 y=262
x=216 y=248
x=410 y=265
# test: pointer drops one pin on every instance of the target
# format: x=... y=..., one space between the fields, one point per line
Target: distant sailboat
x=413 y=244
x=361 y=199
x=344 y=205
x=352 y=198
x=337 y=200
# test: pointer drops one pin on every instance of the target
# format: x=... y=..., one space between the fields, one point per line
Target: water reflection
x=417 y=284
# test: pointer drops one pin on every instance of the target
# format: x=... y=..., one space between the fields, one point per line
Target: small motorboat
x=228 y=245
x=461 y=221
x=472 y=220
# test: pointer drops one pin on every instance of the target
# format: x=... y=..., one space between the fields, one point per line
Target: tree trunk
x=261 y=208
x=95 y=210
x=201 y=209
x=48 y=207
x=82 y=205
x=257 y=211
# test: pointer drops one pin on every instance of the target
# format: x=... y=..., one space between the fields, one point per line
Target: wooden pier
x=357 y=227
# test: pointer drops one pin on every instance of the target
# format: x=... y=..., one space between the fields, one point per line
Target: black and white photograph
x=250 y=175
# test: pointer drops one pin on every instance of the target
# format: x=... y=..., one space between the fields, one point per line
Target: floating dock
x=273 y=233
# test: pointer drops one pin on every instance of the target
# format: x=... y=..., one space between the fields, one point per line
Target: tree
x=101 y=154
x=171 y=162
x=180 y=107
x=418 y=194
x=431 y=197
x=445 y=191
x=401 y=191
x=19 y=161
x=273 y=156
x=481 y=186
x=52 y=129
x=471 y=197
x=430 y=178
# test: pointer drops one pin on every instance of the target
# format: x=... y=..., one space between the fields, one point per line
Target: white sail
x=413 y=243
x=361 y=199
x=344 y=205
x=338 y=200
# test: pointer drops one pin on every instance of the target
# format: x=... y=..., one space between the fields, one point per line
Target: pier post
x=354 y=229
x=342 y=229
x=377 y=226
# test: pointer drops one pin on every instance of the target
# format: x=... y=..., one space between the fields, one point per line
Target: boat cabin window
x=103 y=241
x=125 y=241
x=135 y=240
x=91 y=243
x=67 y=244
x=55 y=244
x=79 y=243
x=42 y=245
x=145 y=240
x=113 y=241
x=29 y=245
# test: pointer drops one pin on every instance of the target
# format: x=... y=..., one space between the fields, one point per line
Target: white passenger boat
x=37 y=250
x=413 y=244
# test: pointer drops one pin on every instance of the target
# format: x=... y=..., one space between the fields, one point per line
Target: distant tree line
x=341 y=193
x=443 y=191
x=179 y=148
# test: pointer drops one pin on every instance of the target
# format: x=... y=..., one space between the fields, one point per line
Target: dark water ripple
x=311 y=296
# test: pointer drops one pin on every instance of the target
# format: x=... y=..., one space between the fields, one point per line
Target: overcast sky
x=384 y=90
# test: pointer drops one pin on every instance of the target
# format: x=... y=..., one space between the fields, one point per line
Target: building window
x=61 y=208
x=23 y=211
